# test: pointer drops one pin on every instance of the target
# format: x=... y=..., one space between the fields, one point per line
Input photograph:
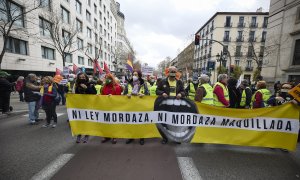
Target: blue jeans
x=33 y=111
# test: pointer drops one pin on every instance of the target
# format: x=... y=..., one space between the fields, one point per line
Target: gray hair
x=221 y=77
x=173 y=68
x=204 y=78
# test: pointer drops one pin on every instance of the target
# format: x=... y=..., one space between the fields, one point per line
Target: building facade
x=184 y=61
x=243 y=34
x=283 y=63
x=95 y=34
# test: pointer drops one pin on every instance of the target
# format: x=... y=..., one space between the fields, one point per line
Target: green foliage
x=222 y=70
x=237 y=71
x=256 y=74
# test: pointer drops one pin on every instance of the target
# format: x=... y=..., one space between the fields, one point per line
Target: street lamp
x=222 y=59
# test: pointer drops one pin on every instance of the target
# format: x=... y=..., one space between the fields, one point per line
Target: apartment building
x=30 y=49
x=283 y=62
x=241 y=33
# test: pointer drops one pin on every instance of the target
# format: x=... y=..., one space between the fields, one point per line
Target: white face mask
x=71 y=79
x=134 y=78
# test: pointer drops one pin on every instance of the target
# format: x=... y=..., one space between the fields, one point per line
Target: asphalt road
x=33 y=152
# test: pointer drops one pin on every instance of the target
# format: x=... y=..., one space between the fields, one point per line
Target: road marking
x=52 y=168
x=188 y=169
x=58 y=114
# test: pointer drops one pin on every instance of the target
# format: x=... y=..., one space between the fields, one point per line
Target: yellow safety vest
x=69 y=87
x=209 y=97
x=98 y=88
x=225 y=91
x=129 y=89
x=141 y=91
x=153 y=90
x=265 y=96
x=192 y=92
x=243 y=98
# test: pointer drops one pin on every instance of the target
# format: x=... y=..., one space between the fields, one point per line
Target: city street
x=32 y=152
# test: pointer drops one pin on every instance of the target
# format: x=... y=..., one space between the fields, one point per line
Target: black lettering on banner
x=288 y=126
x=86 y=116
x=188 y=119
x=146 y=117
x=238 y=123
x=257 y=124
x=194 y=119
x=97 y=115
x=175 y=119
x=279 y=125
x=121 y=117
x=74 y=114
x=252 y=123
x=182 y=118
x=127 y=117
x=213 y=121
x=201 y=120
x=166 y=117
x=246 y=123
x=207 y=119
x=231 y=123
x=107 y=117
x=160 y=117
x=140 y=119
x=265 y=124
x=114 y=117
x=79 y=114
x=272 y=124
x=92 y=115
x=133 y=118
x=225 y=122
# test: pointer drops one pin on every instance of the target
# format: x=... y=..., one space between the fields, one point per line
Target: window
x=104 y=32
x=253 y=22
x=104 y=8
x=88 y=2
x=78 y=7
x=90 y=62
x=95 y=24
x=78 y=25
x=104 y=21
x=263 y=36
x=66 y=36
x=96 y=52
x=95 y=9
x=89 y=48
x=237 y=62
x=79 y=44
x=298 y=15
x=46 y=4
x=225 y=49
x=240 y=36
x=226 y=36
x=48 y=53
x=241 y=21
x=100 y=16
x=68 y=57
x=296 y=60
x=249 y=63
x=238 y=51
x=251 y=36
x=89 y=32
x=101 y=29
x=228 y=21
x=16 y=46
x=261 y=51
x=100 y=3
x=96 y=38
x=45 y=27
x=80 y=60
x=11 y=12
x=88 y=16
x=65 y=14
x=100 y=40
x=265 y=24
x=250 y=51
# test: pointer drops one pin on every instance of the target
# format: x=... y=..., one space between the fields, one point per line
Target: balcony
x=226 y=24
x=252 y=39
x=239 y=39
x=253 y=25
x=240 y=25
x=238 y=54
x=226 y=39
x=249 y=54
x=265 y=25
x=248 y=68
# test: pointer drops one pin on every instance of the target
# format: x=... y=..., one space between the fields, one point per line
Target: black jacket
x=164 y=87
x=5 y=86
x=29 y=90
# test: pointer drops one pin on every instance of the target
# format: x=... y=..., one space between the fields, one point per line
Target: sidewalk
x=18 y=107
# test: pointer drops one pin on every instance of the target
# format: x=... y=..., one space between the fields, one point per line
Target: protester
x=277 y=87
x=261 y=96
x=19 y=87
x=190 y=89
x=136 y=87
x=5 y=90
x=153 y=88
x=110 y=88
x=170 y=86
x=204 y=93
x=233 y=93
x=245 y=95
x=282 y=96
x=71 y=83
x=82 y=86
x=220 y=92
x=98 y=86
x=32 y=97
x=49 y=94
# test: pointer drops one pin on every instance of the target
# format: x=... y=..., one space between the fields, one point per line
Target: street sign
x=295 y=92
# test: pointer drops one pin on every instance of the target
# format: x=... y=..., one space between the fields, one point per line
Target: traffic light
x=197 y=39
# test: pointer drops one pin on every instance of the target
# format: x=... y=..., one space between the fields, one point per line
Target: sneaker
x=78 y=139
x=46 y=125
x=128 y=141
x=85 y=139
x=54 y=125
x=142 y=141
x=105 y=140
x=164 y=141
x=114 y=141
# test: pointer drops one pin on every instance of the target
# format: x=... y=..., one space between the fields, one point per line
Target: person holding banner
x=261 y=96
x=220 y=91
x=110 y=88
x=204 y=93
x=153 y=88
x=170 y=86
x=82 y=86
x=244 y=95
x=190 y=89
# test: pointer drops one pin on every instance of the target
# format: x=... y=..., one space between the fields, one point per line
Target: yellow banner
x=182 y=121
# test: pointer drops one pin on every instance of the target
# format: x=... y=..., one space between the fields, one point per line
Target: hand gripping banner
x=182 y=121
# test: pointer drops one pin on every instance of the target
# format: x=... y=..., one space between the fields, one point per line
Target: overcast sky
x=160 y=28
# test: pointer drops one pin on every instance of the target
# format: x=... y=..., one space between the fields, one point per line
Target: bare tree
x=164 y=64
x=12 y=19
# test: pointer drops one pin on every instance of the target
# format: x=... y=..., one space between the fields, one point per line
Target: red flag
x=107 y=71
x=58 y=71
x=97 y=66
x=74 y=68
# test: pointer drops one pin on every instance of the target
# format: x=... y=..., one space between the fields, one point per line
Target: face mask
x=284 y=90
x=108 y=81
x=90 y=79
x=38 y=81
x=152 y=80
x=134 y=78
x=71 y=79
x=172 y=74
x=81 y=81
